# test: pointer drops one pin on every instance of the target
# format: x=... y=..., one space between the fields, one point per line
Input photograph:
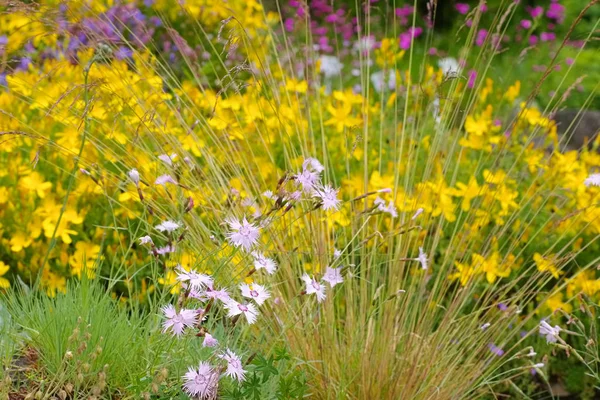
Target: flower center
x=242 y=307
x=253 y=293
x=316 y=285
x=200 y=379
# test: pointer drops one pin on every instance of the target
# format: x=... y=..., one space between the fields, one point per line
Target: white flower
x=209 y=341
x=234 y=366
x=146 y=240
x=314 y=287
x=592 y=180
x=449 y=66
x=307 y=179
x=243 y=234
x=313 y=164
x=164 y=179
x=330 y=66
x=169 y=248
x=249 y=310
x=485 y=326
x=333 y=276
x=269 y=195
x=167 y=159
x=328 y=197
x=178 y=321
x=196 y=280
x=550 y=332
x=134 y=175
x=365 y=44
x=422 y=258
x=531 y=353
x=167 y=226
x=337 y=253
x=262 y=262
x=256 y=292
x=211 y=293
x=202 y=382
x=380 y=81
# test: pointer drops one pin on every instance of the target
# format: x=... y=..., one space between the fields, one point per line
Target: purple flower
x=526 y=24
x=472 y=79
x=481 y=36
x=234 y=366
x=243 y=234
x=201 y=382
x=547 y=36
x=333 y=276
x=535 y=11
x=533 y=40
x=209 y=341
x=178 y=321
x=556 y=11
x=123 y=52
x=502 y=307
x=462 y=8
x=496 y=350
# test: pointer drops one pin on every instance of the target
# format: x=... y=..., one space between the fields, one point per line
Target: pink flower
x=550 y=332
x=472 y=79
x=462 y=8
x=547 y=36
x=211 y=293
x=167 y=159
x=134 y=175
x=201 y=382
x=243 y=234
x=256 y=292
x=196 y=280
x=146 y=240
x=209 y=341
x=249 y=310
x=234 y=366
x=314 y=287
x=569 y=61
x=422 y=258
x=556 y=12
x=169 y=248
x=417 y=213
x=178 y=321
x=328 y=197
x=535 y=11
x=390 y=208
x=307 y=179
x=333 y=276
x=526 y=24
x=164 y=179
x=262 y=262
x=481 y=36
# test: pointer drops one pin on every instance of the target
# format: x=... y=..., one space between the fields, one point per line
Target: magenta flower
x=462 y=8
x=234 y=366
x=481 y=36
x=547 y=36
x=535 y=11
x=256 y=292
x=178 y=321
x=526 y=24
x=556 y=11
x=472 y=79
x=201 y=382
x=243 y=234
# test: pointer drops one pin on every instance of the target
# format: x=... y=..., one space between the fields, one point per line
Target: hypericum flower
x=314 y=164
x=333 y=276
x=262 y=262
x=256 y=292
x=164 y=179
x=167 y=159
x=550 y=332
x=134 y=175
x=196 y=280
x=328 y=197
x=307 y=179
x=146 y=240
x=422 y=258
x=167 y=226
x=592 y=180
x=209 y=341
x=235 y=308
x=244 y=234
x=178 y=321
x=234 y=366
x=201 y=382
x=314 y=287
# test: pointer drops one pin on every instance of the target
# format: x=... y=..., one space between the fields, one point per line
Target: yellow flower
x=464 y=274
x=19 y=241
x=170 y=279
x=467 y=192
x=545 y=264
x=4 y=283
x=53 y=282
x=341 y=117
x=555 y=302
x=513 y=92
x=84 y=258
x=35 y=183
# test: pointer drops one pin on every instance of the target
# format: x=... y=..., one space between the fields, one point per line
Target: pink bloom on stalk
x=462 y=8
x=243 y=234
x=164 y=179
x=249 y=310
x=209 y=293
x=472 y=79
x=569 y=61
x=328 y=197
x=333 y=276
x=547 y=36
x=262 y=262
x=313 y=164
x=256 y=292
x=289 y=24
x=314 y=287
x=592 y=180
x=146 y=240
x=422 y=258
x=167 y=159
x=134 y=175
x=234 y=366
x=550 y=332
x=556 y=11
x=417 y=213
x=178 y=321
x=533 y=39
x=526 y=24
x=307 y=179
x=201 y=382
x=169 y=248
x=209 y=341
x=535 y=11
x=390 y=208
x=195 y=279
x=481 y=36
